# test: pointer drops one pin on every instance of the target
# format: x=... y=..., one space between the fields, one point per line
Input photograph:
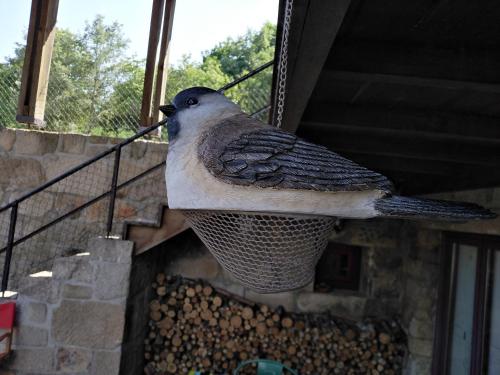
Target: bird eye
x=191 y=101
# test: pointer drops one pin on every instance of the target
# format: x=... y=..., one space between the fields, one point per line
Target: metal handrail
x=79 y=167
x=14 y=205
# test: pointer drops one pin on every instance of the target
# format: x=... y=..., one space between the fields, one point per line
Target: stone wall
x=29 y=158
x=381 y=295
x=72 y=320
x=399 y=278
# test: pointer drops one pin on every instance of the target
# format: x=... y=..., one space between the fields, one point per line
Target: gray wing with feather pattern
x=243 y=151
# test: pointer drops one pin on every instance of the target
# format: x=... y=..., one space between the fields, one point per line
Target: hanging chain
x=283 y=63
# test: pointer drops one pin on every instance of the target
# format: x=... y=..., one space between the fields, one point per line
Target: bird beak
x=168 y=109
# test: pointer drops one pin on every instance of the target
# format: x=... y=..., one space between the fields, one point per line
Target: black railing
x=16 y=236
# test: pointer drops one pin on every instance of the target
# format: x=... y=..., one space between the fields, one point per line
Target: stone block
x=26 y=335
x=56 y=165
x=136 y=150
x=95 y=139
x=41 y=289
x=112 y=281
x=157 y=150
x=34 y=312
x=76 y=269
x=422 y=329
x=73 y=143
x=77 y=291
x=73 y=360
x=227 y=282
x=111 y=250
x=418 y=365
x=38 y=205
x=124 y=209
x=21 y=172
x=97 y=211
x=420 y=347
x=7 y=139
x=37 y=361
x=88 y=324
x=30 y=142
x=351 y=307
x=96 y=149
x=106 y=363
x=152 y=186
x=286 y=300
x=379 y=232
x=66 y=202
x=203 y=267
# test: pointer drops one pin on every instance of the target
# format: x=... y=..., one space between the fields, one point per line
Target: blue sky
x=198 y=24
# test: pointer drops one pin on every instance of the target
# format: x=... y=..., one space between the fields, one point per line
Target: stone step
x=146 y=234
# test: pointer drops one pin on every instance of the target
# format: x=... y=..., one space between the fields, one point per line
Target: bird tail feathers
x=421 y=208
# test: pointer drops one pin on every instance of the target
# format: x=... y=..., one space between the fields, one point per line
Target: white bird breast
x=191 y=186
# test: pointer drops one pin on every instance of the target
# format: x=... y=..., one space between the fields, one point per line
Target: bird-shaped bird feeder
x=264 y=201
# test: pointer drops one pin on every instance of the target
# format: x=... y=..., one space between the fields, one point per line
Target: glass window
x=461 y=336
x=494 y=349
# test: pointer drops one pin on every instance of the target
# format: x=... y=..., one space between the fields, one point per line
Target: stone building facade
x=400 y=266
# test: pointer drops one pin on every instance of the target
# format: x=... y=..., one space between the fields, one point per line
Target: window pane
x=494 y=354
x=461 y=339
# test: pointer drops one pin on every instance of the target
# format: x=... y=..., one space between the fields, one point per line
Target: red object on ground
x=7 y=313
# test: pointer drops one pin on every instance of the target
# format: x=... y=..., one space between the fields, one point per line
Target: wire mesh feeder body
x=266 y=252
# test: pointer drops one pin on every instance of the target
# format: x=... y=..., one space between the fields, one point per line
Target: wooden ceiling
x=410 y=89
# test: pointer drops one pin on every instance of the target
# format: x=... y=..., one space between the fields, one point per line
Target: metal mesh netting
x=268 y=253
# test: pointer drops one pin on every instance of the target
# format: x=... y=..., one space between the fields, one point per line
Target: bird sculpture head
x=194 y=108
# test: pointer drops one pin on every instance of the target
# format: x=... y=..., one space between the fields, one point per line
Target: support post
x=114 y=186
x=36 y=68
x=10 y=247
x=162 y=72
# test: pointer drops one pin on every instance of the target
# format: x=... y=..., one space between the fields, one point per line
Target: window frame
x=486 y=246
x=352 y=282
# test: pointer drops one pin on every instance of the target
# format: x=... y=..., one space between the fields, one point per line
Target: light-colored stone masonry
x=399 y=278
x=72 y=322
x=29 y=158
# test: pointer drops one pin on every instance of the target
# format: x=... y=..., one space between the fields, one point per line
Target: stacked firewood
x=194 y=327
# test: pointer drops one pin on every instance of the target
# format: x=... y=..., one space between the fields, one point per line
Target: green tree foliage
x=95 y=88
x=227 y=61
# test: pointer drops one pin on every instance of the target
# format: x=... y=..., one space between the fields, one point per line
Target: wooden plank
x=162 y=71
x=445 y=84
x=408 y=164
x=315 y=25
x=406 y=59
x=36 y=68
x=394 y=143
x=457 y=124
x=154 y=37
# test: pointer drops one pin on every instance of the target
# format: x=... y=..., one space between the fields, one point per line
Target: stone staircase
x=148 y=234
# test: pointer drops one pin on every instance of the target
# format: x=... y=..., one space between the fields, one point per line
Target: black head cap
x=181 y=100
x=185 y=98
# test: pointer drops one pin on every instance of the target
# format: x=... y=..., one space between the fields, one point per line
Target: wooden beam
x=345 y=138
x=162 y=71
x=459 y=125
x=154 y=37
x=445 y=84
x=407 y=164
x=455 y=64
x=314 y=26
x=37 y=58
